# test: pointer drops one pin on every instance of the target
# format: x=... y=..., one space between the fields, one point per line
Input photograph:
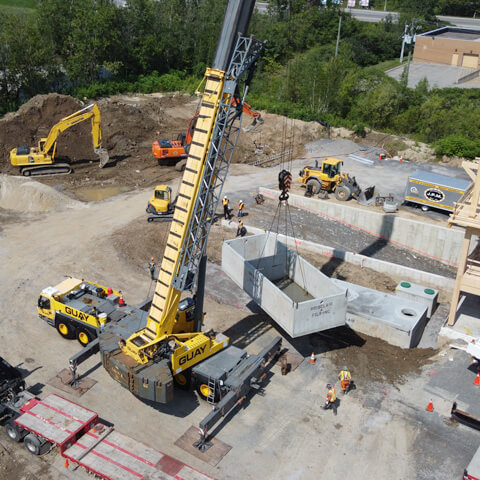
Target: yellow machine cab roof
x=332 y=161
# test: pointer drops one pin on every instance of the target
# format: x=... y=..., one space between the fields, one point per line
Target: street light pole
x=338 y=34
x=385 y=6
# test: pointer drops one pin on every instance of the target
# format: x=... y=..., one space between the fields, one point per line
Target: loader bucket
x=103 y=156
x=366 y=196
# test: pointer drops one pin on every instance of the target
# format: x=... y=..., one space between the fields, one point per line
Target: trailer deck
x=56 y=419
x=115 y=456
x=96 y=447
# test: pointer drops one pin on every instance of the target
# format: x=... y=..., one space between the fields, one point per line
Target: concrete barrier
x=437 y=242
x=399 y=271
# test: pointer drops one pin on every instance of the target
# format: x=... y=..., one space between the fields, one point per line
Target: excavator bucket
x=256 y=121
x=103 y=156
x=366 y=196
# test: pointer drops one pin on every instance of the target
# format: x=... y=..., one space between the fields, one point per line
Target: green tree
x=26 y=59
x=93 y=41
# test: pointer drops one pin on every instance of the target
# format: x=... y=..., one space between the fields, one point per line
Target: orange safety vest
x=345 y=375
x=240 y=206
x=331 y=396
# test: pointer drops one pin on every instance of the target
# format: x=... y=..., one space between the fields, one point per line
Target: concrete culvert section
x=295 y=294
x=25 y=195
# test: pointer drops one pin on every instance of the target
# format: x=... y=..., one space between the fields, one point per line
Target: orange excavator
x=175 y=152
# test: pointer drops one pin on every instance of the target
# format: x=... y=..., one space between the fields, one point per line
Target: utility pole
x=385 y=6
x=403 y=42
x=338 y=34
x=410 y=39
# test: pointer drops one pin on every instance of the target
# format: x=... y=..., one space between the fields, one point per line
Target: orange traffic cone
x=312 y=358
x=430 y=406
x=477 y=379
x=66 y=463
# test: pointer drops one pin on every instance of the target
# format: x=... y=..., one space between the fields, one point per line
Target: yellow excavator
x=41 y=160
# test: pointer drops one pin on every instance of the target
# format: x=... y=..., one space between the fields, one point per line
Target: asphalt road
x=379 y=15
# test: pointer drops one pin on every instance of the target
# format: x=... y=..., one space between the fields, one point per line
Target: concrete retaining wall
x=398 y=271
x=256 y=263
x=441 y=243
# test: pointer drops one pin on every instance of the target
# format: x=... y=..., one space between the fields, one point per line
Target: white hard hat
x=225 y=197
x=241 y=201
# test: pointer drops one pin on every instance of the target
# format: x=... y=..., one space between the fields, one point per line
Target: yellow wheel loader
x=41 y=160
x=328 y=178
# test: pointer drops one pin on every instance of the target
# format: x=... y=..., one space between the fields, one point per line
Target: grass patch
x=18 y=7
x=387 y=65
x=19 y=3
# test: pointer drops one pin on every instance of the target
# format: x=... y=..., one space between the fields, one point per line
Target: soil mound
x=26 y=195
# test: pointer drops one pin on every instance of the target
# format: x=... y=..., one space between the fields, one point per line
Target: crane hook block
x=284 y=184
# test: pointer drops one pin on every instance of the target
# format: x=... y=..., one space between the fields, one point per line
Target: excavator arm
x=89 y=112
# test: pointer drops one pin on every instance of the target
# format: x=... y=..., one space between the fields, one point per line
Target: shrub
x=457 y=146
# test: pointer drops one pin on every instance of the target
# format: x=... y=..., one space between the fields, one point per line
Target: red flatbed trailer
x=96 y=447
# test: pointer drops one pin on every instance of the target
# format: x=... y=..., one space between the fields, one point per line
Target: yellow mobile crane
x=41 y=160
x=147 y=354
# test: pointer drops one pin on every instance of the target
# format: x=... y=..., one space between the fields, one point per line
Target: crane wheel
x=204 y=391
x=84 y=337
x=315 y=185
x=65 y=329
x=342 y=193
x=182 y=380
x=32 y=444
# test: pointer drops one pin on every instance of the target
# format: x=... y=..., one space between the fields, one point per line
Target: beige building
x=449 y=46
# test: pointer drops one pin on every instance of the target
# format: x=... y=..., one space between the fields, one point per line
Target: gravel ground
x=305 y=225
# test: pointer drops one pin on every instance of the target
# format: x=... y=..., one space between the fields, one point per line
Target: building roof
x=455 y=33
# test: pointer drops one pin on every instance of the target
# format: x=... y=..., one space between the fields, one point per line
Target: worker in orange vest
x=345 y=378
x=151 y=267
x=241 y=205
x=226 y=210
x=331 y=399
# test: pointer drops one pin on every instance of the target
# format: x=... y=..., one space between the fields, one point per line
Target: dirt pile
x=277 y=135
x=372 y=359
x=25 y=195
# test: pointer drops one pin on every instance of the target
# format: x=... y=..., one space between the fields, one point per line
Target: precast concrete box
x=294 y=293
x=420 y=294
x=398 y=321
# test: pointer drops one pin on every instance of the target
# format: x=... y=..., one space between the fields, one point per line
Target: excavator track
x=44 y=170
